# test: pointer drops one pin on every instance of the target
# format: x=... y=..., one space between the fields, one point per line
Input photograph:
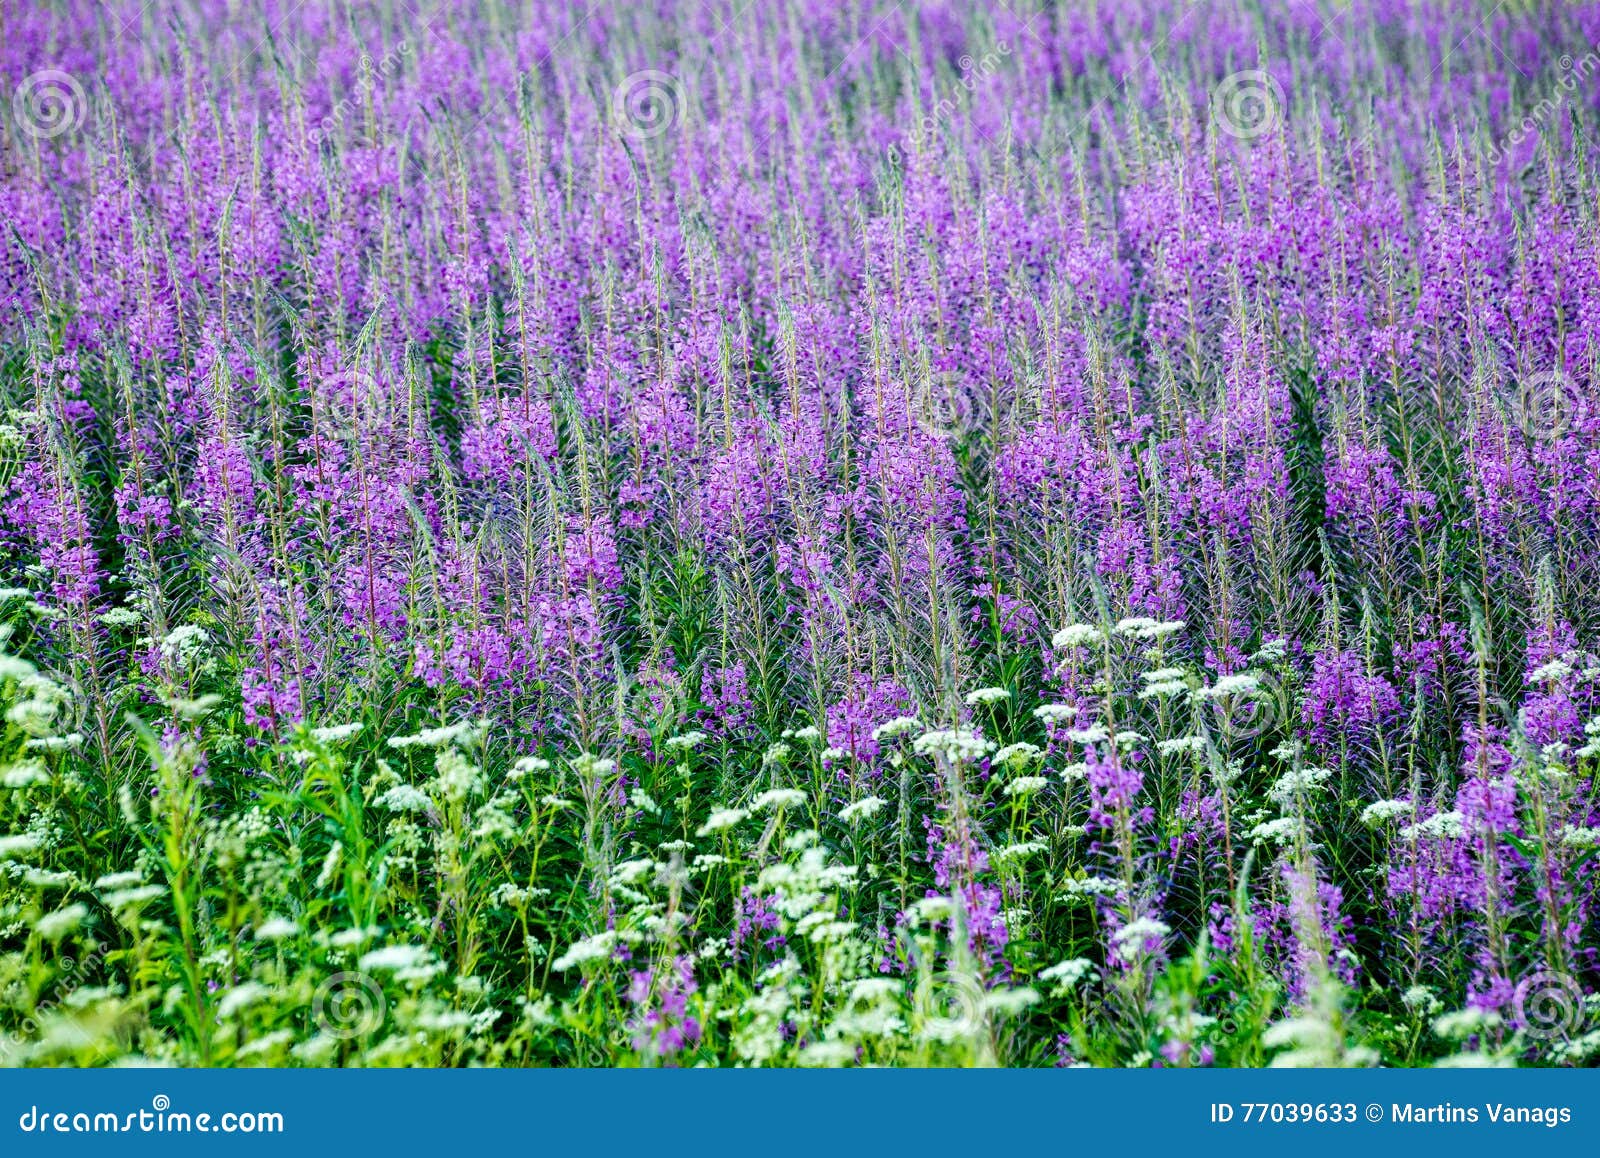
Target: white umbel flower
x=1075 y=635
x=987 y=696
x=956 y=745
x=721 y=819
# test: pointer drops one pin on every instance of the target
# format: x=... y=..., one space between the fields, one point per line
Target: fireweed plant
x=819 y=533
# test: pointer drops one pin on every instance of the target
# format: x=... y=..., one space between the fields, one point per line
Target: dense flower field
x=830 y=532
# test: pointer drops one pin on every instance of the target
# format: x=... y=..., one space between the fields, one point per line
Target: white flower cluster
x=956 y=746
x=1384 y=811
x=1076 y=635
x=987 y=696
x=1443 y=825
x=861 y=809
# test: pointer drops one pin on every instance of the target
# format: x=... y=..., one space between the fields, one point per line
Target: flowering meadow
x=811 y=533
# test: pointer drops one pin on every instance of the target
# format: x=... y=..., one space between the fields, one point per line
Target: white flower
x=466 y=732
x=394 y=958
x=56 y=925
x=186 y=644
x=861 y=809
x=1090 y=887
x=12 y=668
x=722 y=818
x=529 y=764
x=1297 y=783
x=828 y=1054
x=1162 y=688
x=1421 y=999
x=405 y=798
x=1025 y=785
x=1231 y=685
x=779 y=798
x=1020 y=851
x=1055 y=713
x=1283 y=831
x=24 y=776
x=1550 y=672
x=809 y=732
x=1386 y=810
x=1162 y=675
x=1009 y=1002
x=596 y=948
x=631 y=872
x=241 y=997
x=1075 y=635
x=1583 y=838
x=593 y=767
x=957 y=745
x=930 y=909
x=131 y=898
x=336 y=733
x=1446 y=825
x=1136 y=625
x=1465 y=1023
x=1136 y=935
x=1016 y=754
x=898 y=726
x=124 y=880
x=276 y=929
x=986 y=696
x=1181 y=744
x=1160 y=630
x=1093 y=734
x=874 y=989
x=1067 y=974
x=686 y=742
x=834 y=755
x=11 y=846
x=1075 y=771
